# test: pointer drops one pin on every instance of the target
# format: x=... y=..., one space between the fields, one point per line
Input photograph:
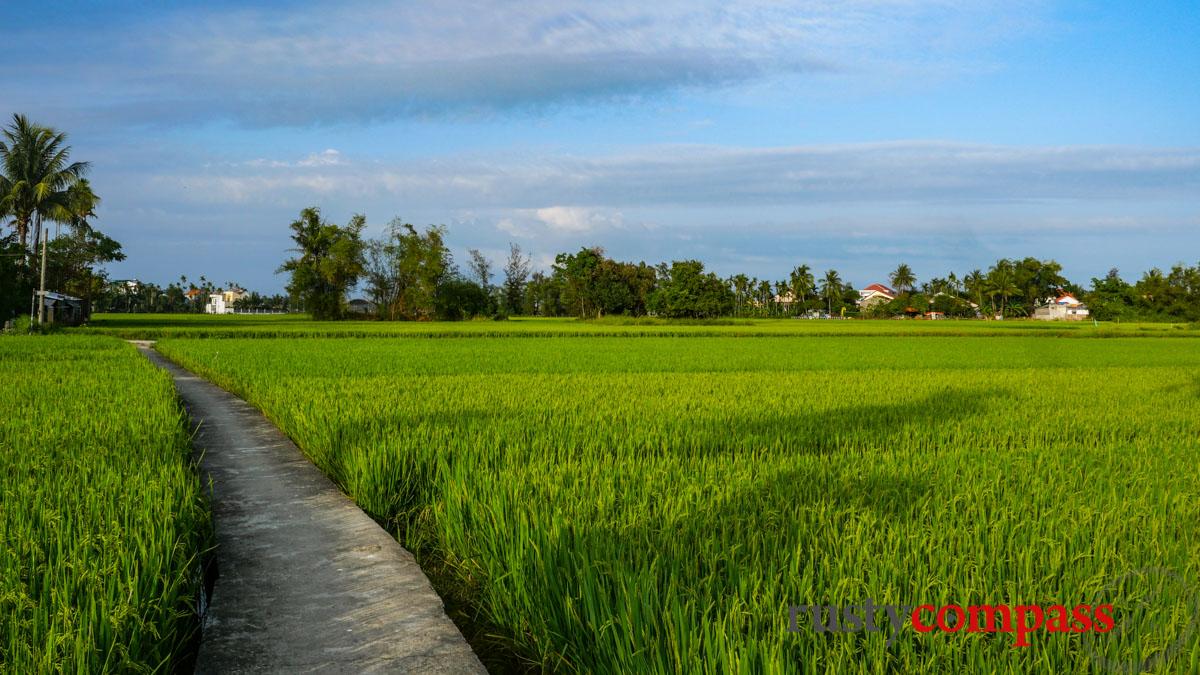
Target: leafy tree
x=15 y=288
x=404 y=270
x=544 y=295
x=689 y=292
x=1111 y=298
x=330 y=262
x=481 y=268
x=516 y=271
x=1001 y=280
x=578 y=272
x=72 y=262
x=458 y=298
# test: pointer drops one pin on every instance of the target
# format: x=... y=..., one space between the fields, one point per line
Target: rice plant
x=103 y=524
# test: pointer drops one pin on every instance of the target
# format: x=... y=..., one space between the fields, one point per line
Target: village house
x=1063 y=308
x=222 y=303
x=875 y=294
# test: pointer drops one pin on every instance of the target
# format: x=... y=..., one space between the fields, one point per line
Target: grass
x=103 y=524
x=655 y=505
x=157 y=326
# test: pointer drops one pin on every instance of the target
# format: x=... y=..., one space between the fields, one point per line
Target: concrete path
x=308 y=582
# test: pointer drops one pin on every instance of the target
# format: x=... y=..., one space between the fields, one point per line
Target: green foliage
x=545 y=295
x=330 y=263
x=654 y=505
x=38 y=181
x=404 y=271
x=516 y=272
x=1173 y=296
x=459 y=299
x=594 y=285
x=103 y=524
x=25 y=325
x=16 y=288
x=689 y=292
x=903 y=278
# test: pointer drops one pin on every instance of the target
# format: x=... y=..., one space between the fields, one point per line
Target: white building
x=222 y=303
x=1063 y=308
x=875 y=294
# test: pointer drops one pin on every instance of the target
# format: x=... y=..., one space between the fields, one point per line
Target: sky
x=753 y=136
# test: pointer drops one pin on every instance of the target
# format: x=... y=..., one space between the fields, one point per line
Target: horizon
x=753 y=137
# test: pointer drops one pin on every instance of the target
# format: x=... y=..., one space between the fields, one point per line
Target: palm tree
x=974 y=283
x=830 y=284
x=903 y=279
x=781 y=287
x=36 y=178
x=802 y=283
x=741 y=285
x=81 y=205
x=1001 y=281
x=764 y=295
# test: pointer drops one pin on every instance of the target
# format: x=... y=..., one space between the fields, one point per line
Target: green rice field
x=103 y=525
x=607 y=505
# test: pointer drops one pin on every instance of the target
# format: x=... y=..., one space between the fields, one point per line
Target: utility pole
x=42 y=292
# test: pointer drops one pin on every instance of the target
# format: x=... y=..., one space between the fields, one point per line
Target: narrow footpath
x=308 y=582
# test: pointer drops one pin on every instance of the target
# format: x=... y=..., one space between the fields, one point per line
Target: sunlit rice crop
x=655 y=505
x=102 y=523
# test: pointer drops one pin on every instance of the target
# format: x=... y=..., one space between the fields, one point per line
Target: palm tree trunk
x=37 y=232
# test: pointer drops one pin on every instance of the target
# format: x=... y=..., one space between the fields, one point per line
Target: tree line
x=410 y=274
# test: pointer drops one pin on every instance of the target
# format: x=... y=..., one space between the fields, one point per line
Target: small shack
x=62 y=309
x=361 y=306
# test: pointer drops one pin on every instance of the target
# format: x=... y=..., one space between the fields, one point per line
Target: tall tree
x=481 y=268
x=1001 y=280
x=690 y=292
x=802 y=283
x=831 y=284
x=516 y=271
x=976 y=285
x=37 y=176
x=330 y=262
x=404 y=270
x=903 y=278
x=578 y=272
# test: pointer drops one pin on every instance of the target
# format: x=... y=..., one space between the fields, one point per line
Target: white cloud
x=586 y=194
x=572 y=219
x=329 y=157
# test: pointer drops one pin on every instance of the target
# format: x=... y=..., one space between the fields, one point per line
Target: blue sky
x=753 y=136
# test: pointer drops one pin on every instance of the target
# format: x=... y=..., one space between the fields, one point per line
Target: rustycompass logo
x=1136 y=623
